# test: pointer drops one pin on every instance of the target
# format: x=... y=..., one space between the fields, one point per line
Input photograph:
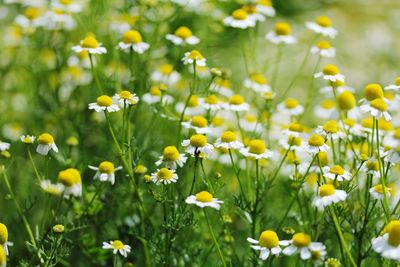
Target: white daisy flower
x=164 y=176
x=331 y=129
x=252 y=12
x=328 y=195
x=265 y=7
x=57 y=20
x=194 y=57
x=126 y=98
x=198 y=123
x=50 y=188
x=67 y=6
x=91 y=45
x=371 y=166
x=294 y=129
x=210 y=102
x=4 y=146
x=250 y=123
x=172 y=158
x=316 y=144
x=377 y=108
x=388 y=244
x=267 y=244
x=133 y=40
x=104 y=103
x=395 y=86
x=117 y=246
x=182 y=36
x=281 y=34
x=222 y=87
x=294 y=143
x=155 y=95
x=258 y=83
x=228 y=140
x=338 y=86
x=322 y=25
x=378 y=191
x=105 y=171
x=31 y=18
x=324 y=49
x=330 y=73
x=45 y=144
x=72 y=181
x=26 y=139
x=197 y=145
x=204 y=199
x=240 y=19
x=3 y=241
x=257 y=150
x=165 y=74
x=326 y=110
x=236 y=103
x=301 y=243
x=336 y=172
x=291 y=106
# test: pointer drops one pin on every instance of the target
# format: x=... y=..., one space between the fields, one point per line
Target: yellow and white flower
x=250 y=123
x=377 y=108
x=328 y=195
x=126 y=98
x=281 y=34
x=118 y=247
x=294 y=143
x=222 y=87
x=331 y=129
x=210 y=102
x=324 y=49
x=237 y=103
x=388 y=244
x=265 y=7
x=301 y=243
x=57 y=19
x=395 y=86
x=72 y=181
x=228 y=140
x=104 y=103
x=182 y=36
x=256 y=149
x=3 y=239
x=133 y=40
x=294 y=129
x=194 y=57
x=326 y=110
x=45 y=144
x=27 y=139
x=171 y=158
x=378 y=191
x=164 y=176
x=105 y=171
x=258 y=83
x=330 y=73
x=315 y=144
x=30 y=19
x=240 y=19
x=91 y=45
x=336 y=172
x=52 y=189
x=67 y=6
x=291 y=106
x=371 y=166
x=197 y=145
x=204 y=199
x=3 y=257
x=4 y=146
x=198 y=123
x=165 y=74
x=267 y=244
x=155 y=95
x=322 y=25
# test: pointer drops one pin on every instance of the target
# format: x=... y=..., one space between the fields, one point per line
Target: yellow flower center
x=166 y=69
x=155 y=91
x=379 y=104
x=66 y=2
x=250 y=9
x=104 y=101
x=331 y=127
x=141 y=169
x=330 y=69
x=125 y=94
x=183 y=32
x=380 y=188
x=170 y=153
x=301 y=240
x=326 y=190
x=336 y=169
x=239 y=14
x=346 y=100
x=90 y=42
x=31 y=13
x=373 y=91
x=264 y=2
x=132 y=37
x=323 y=158
x=224 y=83
x=394 y=234
x=324 y=21
x=316 y=140
x=328 y=104
x=198 y=140
x=164 y=174
x=397 y=133
x=217 y=121
x=323 y=44
x=204 y=196
x=106 y=167
x=69 y=177
x=3 y=234
x=259 y=78
x=193 y=101
x=397 y=81
x=349 y=122
x=372 y=165
x=236 y=100
x=294 y=141
x=45 y=139
x=268 y=239
x=257 y=146
x=291 y=103
x=117 y=244
x=228 y=136
x=282 y=28
x=199 y=121
x=211 y=99
x=316 y=255
x=3 y=257
x=195 y=55
x=250 y=118
x=385 y=125
x=367 y=122
x=296 y=127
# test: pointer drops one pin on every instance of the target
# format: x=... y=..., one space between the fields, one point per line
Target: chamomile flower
x=388 y=244
x=294 y=129
x=3 y=257
x=172 y=158
x=228 y=140
x=72 y=181
x=330 y=73
x=133 y=40
x=372 y=91
x=328 y=195
x=193 y=107
x=57 y=19
x=182 y=36
x=118 y=247
x=104 y=103
x=250 y=123
x=322 y=25
x=258 y=83
x=326 y=109
x=67 y=6
x=267 y=244
x=91 y=45
x=156 y=95
x=265 y=7
x=252 y=12
x=240 y=19
x=347 y=102
x=331 y=129
x=45 y=144
x=210 y=102
x=164 y=176
x=301 y=243
x=256 y=149
x=392 y=140
x=336 y=172
x=126 y=98
x=378 y=191
x=281 y=34
x=165 y=74
x=222 y=87
x=3 y=238
x=105 y=171
x=52 y=189
x=294 y=143
x=194 y=57
x=237 y=103
x=30 y=19
x=291 y=106
x=338 y=87
x=204 y=199
x=197 y=145
x=377 y=108
x=4 y=146
x=324 y=49
x=371 y=166
x=395 y=86
x=316 y=144
x=198 y=123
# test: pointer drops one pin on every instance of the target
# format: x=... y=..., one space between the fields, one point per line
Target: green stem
x=34 y=166
x=96 y=78
x=214 y=239
x=237 y=176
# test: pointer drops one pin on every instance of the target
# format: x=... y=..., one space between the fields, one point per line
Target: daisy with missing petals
x=267 y=244
x=198 y=123
x=328 y=195
x=126 y=98
x=330 y=73
x=105 y=171
x=91 y=45
x=324 y=49
x=291 y=106
x=388 y=244
x=164 y=176
x=240 y=19
x=228 y=140
x=172 y=158
x=27 y=139
x=395 y=86
x=72 y=181
x=315 y=144
x=133 y=40
x=281 y=34
x=104 y=103
x=258 y=83
x=165 y=74
x=182 y=36
x=257 y=150
x=379 y=190
x=45 y=144
x=377 y=108
x=265 y=7
x=117 y=246
x=301 y=243
x=204 y=199
x=4 y=146
x=322 y=25
x=197 y=145
x=236 y=103
x=52 y=189
x=336 y=172
x=194 y=57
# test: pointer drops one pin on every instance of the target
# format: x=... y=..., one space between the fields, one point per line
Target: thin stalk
x=96 y=78
x=214 y=239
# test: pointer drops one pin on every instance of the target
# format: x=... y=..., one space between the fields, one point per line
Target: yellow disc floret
x=199 y=121
x=282 y=28
x=170 y=153
x=331 y=126
x=239 y=14
x=257 y=146
x=69 y=177
x=104 y=101
x=106 y=167
x=346 y=100
x=195 y=55
x=132 y=37
x=323 y=45
x=326 y=190
x=291 y=103
x=316 y=140
x=258 y=78
x=204 y=196
x=183 y=32
x=379 y=104
x=324 y=21
x=301 y=240
x=164 y=174
x=166 y=69
x=198 y=140
x=236 y=100
x=117 y=244
x=90 y=42
x=268 y=239
x=394 y=233
x=211 y=99
x=45 y=139
x=228 y=136
x=336 y=169
x=3 y=234
x=330 y=69
x=373 y=91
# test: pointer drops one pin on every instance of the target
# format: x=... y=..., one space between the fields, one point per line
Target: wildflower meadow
x=199 y=133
